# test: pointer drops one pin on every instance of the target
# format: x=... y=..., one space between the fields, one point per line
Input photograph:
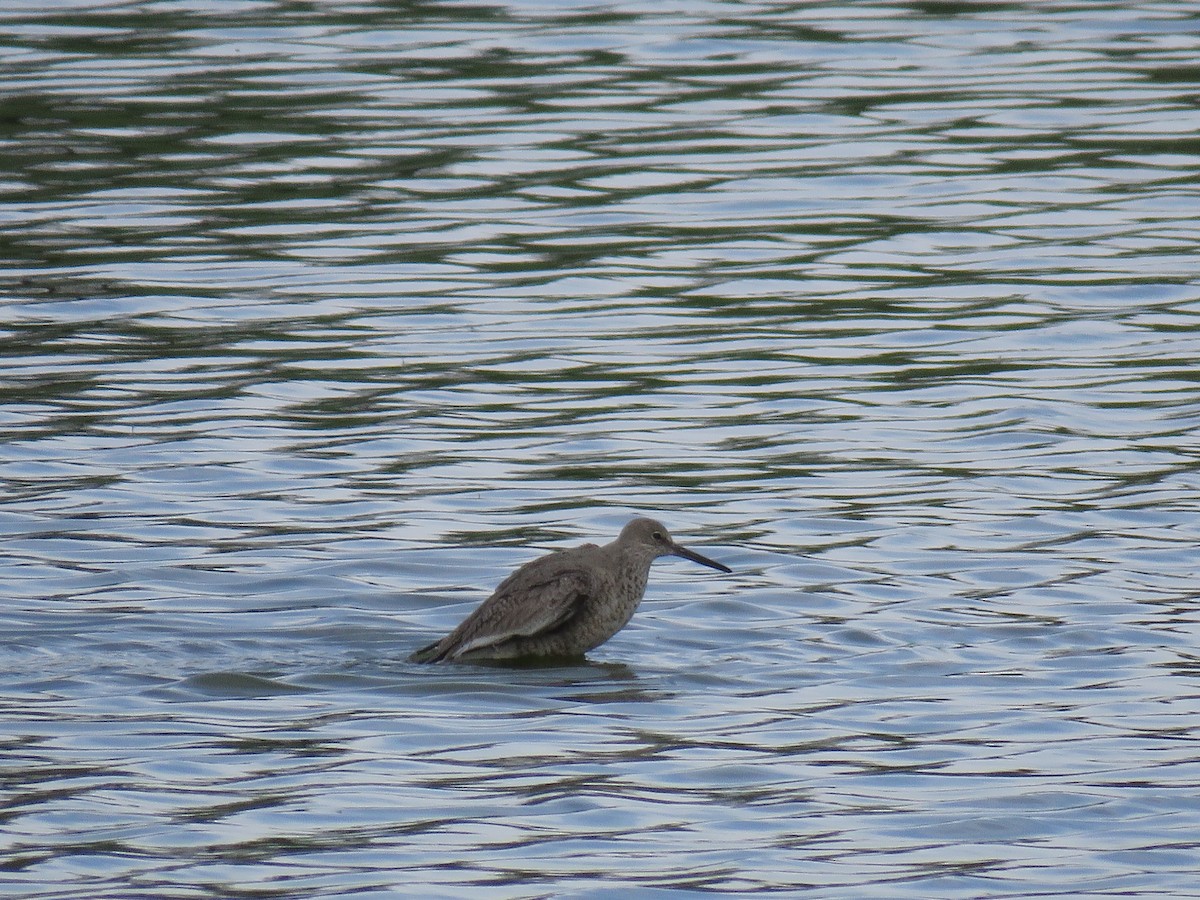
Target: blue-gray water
x=319 y=318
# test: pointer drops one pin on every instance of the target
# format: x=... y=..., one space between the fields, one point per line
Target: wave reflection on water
x=319 y=321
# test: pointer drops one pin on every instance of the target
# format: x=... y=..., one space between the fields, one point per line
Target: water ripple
x=318 y=321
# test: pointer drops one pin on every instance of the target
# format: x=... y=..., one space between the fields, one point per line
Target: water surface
x=316 y=321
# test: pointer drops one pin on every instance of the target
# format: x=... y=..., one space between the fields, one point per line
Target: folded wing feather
x=534 y=600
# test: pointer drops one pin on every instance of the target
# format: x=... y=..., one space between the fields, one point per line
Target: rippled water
x=318 y=319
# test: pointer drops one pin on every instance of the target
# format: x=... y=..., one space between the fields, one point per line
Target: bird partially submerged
x=563 y=604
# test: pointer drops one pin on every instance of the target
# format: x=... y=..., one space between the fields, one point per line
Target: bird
x=565 y=603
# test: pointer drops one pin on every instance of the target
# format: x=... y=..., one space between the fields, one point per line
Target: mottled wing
x=538 y=598
x=537 y=607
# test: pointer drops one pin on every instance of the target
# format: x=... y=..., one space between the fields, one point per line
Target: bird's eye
x=658 y=536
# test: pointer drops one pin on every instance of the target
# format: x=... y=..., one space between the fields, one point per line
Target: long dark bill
x=696 y=557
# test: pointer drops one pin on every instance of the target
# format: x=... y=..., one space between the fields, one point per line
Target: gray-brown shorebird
x=563 y=604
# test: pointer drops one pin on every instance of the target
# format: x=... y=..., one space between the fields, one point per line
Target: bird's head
x=649 y=539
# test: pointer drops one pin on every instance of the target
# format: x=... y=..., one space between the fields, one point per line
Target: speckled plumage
x=563 y=604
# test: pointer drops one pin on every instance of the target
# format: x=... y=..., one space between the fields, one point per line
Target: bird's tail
x=435 y=652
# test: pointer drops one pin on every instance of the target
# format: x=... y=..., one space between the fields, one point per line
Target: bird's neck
x=630 y=561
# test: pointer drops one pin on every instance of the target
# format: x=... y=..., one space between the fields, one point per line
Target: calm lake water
x=319 y=318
